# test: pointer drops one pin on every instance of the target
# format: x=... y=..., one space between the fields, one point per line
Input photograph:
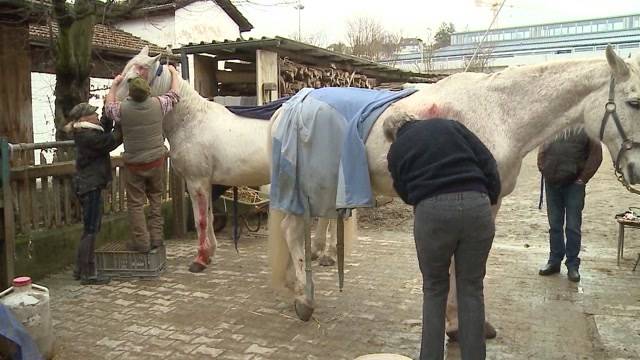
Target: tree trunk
x=73 y=58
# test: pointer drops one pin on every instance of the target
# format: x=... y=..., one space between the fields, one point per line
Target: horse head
x=615 y=115
x=147 y=67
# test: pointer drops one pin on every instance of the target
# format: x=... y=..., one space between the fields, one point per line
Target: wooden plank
x=122 y=179
x=7 y=265
x=56 y=199
x=113 y=204
x=235 y=66
x=228 y=77
x=66 y=193
x=47 y=210
x=267 y=75
x=24 y=206
x=63 y=168
x=179 y=206
x=204 y=75
x=35 y=203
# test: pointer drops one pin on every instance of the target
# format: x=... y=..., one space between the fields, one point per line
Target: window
x=618 y=25
x=572 y=30
x=636 y=22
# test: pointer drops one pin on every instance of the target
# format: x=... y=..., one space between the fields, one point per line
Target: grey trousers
x=459 y=225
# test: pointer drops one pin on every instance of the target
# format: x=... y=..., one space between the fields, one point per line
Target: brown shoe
x=138 y=248
x=489 y=332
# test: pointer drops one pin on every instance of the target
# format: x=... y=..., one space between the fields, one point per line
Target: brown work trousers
x=145 y=185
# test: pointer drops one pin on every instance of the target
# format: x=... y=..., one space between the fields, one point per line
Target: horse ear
x=619 y=68
x=144 y=51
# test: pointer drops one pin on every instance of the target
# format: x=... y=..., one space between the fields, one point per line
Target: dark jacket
x=437 y=156
x=93 y=162
x=570 y=158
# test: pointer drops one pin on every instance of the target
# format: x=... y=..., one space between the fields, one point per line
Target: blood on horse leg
x=203 y=241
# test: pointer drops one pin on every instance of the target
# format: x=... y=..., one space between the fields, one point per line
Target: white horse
x=512 y=111
x=210 y=145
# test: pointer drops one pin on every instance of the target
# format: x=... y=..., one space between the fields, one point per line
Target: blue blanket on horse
x=318 y=156
x=262 y=112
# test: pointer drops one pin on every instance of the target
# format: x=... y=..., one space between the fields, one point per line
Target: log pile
x=294 y=77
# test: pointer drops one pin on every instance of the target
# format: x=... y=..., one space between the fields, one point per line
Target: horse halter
x=157 y=74
x=627 y=143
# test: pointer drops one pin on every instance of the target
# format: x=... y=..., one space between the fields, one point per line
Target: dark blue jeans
x=565 y=202
x=92 y=218
x=459 y=225
x=91 y=211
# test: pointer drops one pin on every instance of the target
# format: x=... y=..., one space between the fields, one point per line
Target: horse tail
x=350 y=232
x=279 y=256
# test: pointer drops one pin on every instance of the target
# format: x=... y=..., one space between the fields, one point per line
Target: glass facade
x=549 y=30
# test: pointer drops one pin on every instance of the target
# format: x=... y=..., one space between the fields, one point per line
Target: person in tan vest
x=140 y=116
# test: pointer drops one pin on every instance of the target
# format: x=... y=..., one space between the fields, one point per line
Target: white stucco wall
x=159 y=30
x=204 y=21
x=200 y=21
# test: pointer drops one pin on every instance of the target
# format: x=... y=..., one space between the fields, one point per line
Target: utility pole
x=299 y=7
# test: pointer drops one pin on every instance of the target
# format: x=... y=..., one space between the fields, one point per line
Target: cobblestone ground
x=228 y=312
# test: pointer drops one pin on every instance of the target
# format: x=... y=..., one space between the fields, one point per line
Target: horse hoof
x=303 y=310
x=326 y=261
x=196 y=267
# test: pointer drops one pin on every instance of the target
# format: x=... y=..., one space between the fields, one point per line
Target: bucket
x=30 y=305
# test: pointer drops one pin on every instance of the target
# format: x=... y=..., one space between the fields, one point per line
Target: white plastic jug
x=30 y=305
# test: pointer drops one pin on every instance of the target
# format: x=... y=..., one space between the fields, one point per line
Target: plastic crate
x=115 y=260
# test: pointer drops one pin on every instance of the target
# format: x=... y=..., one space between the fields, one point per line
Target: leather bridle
x=627 y=143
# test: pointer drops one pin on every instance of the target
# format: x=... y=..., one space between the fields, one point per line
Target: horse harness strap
x=157 y=74
x=627 y=143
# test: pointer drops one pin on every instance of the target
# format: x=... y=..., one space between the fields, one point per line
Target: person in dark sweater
x=451 y=179
x=567 y=163
x=94 y=140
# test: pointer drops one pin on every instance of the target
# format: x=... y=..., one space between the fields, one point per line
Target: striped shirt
x=167 y=102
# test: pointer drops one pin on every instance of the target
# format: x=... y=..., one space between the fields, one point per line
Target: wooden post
x=266 y=76
x=178 y=204
x=7 y=251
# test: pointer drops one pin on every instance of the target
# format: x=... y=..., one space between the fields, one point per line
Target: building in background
x=528 y=44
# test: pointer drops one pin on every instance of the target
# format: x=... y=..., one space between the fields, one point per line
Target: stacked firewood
x=294 y=77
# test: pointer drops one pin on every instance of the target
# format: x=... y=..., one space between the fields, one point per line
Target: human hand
x=172 y=69
x=118 y=79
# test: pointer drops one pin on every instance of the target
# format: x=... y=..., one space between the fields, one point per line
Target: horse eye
x=635 y=103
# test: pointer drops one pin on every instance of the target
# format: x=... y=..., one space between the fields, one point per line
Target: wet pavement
x=229 y=312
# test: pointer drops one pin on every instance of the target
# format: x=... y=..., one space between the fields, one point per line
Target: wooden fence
x=41 y=196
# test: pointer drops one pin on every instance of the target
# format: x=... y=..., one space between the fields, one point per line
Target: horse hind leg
x=203 y=217
x=294 y=230
x=319 y=239
x=329 y=253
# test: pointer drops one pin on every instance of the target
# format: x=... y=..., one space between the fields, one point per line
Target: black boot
x=95 y=280
x=549 y=269
x=573 y=274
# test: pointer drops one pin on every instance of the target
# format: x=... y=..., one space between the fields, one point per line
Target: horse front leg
x=203 y=217
x=319 y=239
x=293 y=227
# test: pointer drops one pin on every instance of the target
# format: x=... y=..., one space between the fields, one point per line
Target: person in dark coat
x=567 y=163
x=94 y=140
x=451 y=179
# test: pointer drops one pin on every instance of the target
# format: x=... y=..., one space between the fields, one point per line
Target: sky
x=416 y=18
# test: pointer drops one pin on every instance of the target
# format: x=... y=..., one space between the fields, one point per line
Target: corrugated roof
x=104 y=38
x=307 y=54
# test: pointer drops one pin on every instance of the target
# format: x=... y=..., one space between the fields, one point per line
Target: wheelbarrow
x=249 y=203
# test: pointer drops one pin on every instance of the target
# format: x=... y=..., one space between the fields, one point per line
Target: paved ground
x=228 y=312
